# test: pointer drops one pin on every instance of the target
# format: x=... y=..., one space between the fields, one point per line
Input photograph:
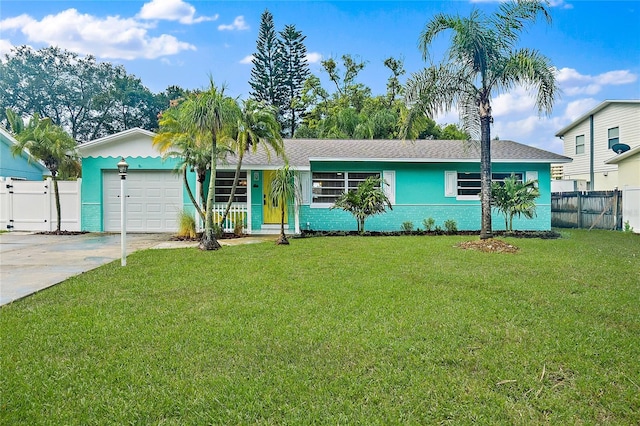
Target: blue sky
x=595 y=45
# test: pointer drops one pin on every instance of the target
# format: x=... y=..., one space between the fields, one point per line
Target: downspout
x=591 y=154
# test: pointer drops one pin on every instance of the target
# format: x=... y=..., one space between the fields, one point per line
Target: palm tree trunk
x=57 y=196
x=191 y=197
x=233 y=187
x=485 y=170
x=209 y=241
x=283 y=238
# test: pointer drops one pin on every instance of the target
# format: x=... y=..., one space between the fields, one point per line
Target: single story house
x=425 y=178
x=19 y=167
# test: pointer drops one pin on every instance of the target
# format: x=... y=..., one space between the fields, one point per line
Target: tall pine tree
x=267 y=75
x=296 y=72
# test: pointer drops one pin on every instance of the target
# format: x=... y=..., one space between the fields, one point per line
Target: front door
x=270 y=212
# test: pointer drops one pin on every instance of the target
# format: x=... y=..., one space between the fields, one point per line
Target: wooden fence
x=587 y=209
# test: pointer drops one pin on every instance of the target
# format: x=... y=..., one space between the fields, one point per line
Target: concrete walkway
x=31 y=262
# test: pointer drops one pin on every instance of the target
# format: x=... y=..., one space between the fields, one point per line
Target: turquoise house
x=425 y=178
x=19 y=167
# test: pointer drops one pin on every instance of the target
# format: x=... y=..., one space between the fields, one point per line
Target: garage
x=154 y=200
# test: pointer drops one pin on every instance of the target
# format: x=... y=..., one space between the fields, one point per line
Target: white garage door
x=154 y=200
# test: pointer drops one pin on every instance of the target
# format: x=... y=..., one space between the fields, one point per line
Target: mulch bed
x=490 y=245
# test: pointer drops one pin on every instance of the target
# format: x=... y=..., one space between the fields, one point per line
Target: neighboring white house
x=590 y=138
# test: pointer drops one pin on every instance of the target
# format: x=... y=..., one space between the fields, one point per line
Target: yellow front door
x=270 y=212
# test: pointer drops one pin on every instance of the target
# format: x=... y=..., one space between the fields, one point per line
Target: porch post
x=249 y=187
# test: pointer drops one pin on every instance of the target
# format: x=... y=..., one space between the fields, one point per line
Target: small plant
x=407 y=226
x=451 y=226
x=238 y=227
x=428 y=224
x=628 y=227
x=186 y=225
x=217 y=230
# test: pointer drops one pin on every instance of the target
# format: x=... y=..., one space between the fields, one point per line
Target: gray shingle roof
x=301 y=152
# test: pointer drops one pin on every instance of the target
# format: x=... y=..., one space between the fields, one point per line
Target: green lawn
x=337 y=330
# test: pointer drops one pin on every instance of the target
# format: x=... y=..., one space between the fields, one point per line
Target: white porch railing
x=237 y=220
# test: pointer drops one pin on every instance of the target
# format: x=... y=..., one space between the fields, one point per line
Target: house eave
x=593 y=111
x=439 y=160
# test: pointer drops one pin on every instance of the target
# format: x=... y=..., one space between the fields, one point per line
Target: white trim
x=389 y=177
x=450 y=183
x=305 y=187
x=442 y=160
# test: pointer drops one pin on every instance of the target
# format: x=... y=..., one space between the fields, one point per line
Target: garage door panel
x=154 y=199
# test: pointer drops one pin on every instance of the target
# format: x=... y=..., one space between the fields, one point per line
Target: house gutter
x=591 y=154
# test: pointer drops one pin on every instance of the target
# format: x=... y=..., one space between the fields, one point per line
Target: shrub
x=186 y=225
x=451 y=226
x=428 y=224
x=628 y=227
x=407 y=226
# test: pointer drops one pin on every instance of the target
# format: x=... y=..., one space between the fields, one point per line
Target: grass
x=354 y=330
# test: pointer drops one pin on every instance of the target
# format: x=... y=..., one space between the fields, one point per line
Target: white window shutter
x=305 y=184
x=450 y=183
x=389 y=177
x=531 y=175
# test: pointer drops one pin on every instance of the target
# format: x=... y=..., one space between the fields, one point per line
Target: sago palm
x=482 y=62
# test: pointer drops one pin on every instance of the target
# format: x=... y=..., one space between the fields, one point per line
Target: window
x=328 y=186
x=224 y=182
x=614 y=136
x=469 y=183
x=580 y=144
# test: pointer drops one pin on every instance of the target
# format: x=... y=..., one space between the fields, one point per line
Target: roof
x=133 y=143
x=600 y=107
x=301 y=152
x=116 y=136
x=10 y=140
x=620 y=157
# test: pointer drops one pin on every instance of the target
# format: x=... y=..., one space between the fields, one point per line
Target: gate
x=31 y=205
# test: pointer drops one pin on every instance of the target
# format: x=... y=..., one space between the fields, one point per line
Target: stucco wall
x=92 y=185
x=420 y=194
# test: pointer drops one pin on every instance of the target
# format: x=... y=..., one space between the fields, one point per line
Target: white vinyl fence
x=631 y=207
x=31 y=205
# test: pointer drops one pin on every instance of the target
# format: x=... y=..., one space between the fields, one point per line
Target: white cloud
x=515 y=101
x=247 y=59
x=573 y=83
x=5 y=47
x=172 y=10
x=239 y=24
x=578 y=108
x=313 y=57
x=111 y=37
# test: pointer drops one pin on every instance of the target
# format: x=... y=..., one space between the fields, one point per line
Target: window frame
x=471 y=177
x=241 y=196
x=580 y=146
x=349 y=180
x=615 y=139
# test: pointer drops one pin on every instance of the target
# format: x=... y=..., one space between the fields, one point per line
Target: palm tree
x=175 y=140
x=482 y=62
x=48 y=143
x=206 y=114
x=285 y=189
x=256 y=124
x=514 y=198
x=367 y=200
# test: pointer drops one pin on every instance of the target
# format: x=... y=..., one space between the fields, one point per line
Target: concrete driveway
x=32 y=262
